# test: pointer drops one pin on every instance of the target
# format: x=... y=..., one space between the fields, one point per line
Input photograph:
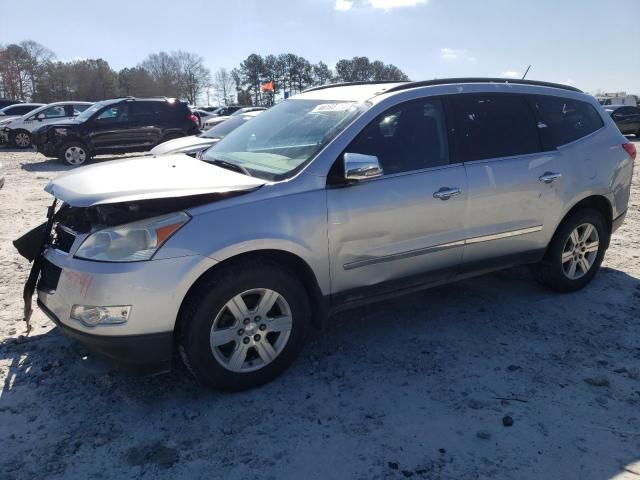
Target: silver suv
x=341 y=195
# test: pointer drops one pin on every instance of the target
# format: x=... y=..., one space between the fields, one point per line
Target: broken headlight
x=132 y=242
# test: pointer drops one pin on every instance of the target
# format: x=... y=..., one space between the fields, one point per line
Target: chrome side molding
x=437 y=248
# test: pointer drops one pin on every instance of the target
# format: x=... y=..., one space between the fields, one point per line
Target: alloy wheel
x=580 y=251
x=22 y=140
x=251 y=330
x=75 y=155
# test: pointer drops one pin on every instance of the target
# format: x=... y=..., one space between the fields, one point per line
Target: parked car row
x=17 y=131
x=218 y=119
x=75 y=131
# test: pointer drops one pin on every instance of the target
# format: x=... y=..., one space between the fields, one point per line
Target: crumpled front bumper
x=154 y=289
x=143 y=354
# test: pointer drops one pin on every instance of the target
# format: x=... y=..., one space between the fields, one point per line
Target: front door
x=405 y=228
x=109 y=130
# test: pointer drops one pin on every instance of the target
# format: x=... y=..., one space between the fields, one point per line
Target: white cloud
x=389 y=4
x=510 y=74
x=455 y=54
x=450 y=53
x=344 y=5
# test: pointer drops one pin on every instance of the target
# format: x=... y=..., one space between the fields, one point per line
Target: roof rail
x=347 y=84
x=404 y=85
x=448 y=81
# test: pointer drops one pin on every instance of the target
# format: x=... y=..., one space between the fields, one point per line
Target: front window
x=54 y=112
x=116 y=113
x=280 y=141
x=88 y=113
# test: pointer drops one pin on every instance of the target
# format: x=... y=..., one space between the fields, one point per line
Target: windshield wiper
x=230 y=166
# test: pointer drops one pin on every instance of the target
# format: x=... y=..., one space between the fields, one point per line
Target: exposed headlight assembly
x=132 y=242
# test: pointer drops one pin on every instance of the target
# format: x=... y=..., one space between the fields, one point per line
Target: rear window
x=144 y=110
x=493 y=126
x=20 y=110
x=563 y=120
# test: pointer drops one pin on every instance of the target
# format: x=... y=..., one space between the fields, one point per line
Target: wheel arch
x=599 y=203
x=291 y=261
x=15 y=131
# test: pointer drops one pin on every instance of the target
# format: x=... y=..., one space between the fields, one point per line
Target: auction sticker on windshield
x=332 y=107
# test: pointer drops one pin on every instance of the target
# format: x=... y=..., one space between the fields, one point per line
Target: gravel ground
x=490 y=377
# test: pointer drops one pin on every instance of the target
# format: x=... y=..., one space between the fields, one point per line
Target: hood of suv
x=59 y=124
x=146 y=178
x=192 y=143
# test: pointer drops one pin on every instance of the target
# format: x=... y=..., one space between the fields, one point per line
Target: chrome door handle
x=445 y=193
x=548 y=177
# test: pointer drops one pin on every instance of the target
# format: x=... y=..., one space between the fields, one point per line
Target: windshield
x=280 y=141
x=225 y=127
x=88 y=113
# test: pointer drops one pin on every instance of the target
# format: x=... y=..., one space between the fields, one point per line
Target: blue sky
x=592 y=44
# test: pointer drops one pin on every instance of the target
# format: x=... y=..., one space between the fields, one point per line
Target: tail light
x=630 y=148
x=193 y=118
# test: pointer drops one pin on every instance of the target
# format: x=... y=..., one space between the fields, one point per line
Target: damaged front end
x=65 y=223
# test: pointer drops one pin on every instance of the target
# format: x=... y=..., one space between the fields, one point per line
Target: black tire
x=84 y=155
x=18 y=138
x=638 y=134
x=201 y=309
x=550 y=271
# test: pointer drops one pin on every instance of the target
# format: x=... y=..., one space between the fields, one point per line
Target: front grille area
x=49 y=276
x=63 y=238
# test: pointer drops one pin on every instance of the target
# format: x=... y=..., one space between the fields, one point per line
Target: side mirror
x=40 y=116
x=358 y=167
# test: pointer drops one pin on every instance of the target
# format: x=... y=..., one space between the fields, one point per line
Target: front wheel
x=244 y=326
x=21 y=138
x=575 y=253
x=74 y=153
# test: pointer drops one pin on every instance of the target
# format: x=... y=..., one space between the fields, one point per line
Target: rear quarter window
x=563 y=120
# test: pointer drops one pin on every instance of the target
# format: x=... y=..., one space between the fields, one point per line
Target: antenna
x=525 y=73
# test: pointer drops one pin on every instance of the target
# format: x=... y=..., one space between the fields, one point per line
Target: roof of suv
x=361 y=91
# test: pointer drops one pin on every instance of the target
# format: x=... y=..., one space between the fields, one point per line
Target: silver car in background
x=17 y=132
x=194 y=144
x=339 y=196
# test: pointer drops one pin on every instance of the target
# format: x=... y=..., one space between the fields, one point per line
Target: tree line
x=30 y=71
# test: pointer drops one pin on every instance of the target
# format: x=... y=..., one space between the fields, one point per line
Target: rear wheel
x=575 y=252
x=21 y=139
x=74 y=153
x=244 y=326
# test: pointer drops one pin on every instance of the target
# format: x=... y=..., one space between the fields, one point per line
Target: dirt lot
x=413 y=388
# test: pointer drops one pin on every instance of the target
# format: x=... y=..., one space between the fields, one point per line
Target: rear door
x=514 y=185
x=392 y=233
x=146 y=121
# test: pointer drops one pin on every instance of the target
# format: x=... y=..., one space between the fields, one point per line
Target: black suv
x=627 y=118
x=121 y=125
